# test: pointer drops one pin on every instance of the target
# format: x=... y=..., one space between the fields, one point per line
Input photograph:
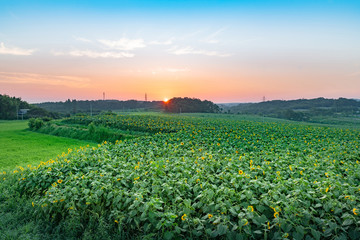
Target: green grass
x=22 y=147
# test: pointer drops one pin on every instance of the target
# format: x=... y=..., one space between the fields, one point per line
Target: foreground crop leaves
x=213 y=177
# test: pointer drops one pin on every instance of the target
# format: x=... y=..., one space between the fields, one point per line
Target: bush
x=35 y=123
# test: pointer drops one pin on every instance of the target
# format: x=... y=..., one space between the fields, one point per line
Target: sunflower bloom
x=210 y=216
x=251 y=208
x=354 y=211
x=241 y=172
x=276 y=214
x=183 y=217
x=59 y=181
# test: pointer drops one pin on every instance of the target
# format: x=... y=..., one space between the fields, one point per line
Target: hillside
x=300 y=109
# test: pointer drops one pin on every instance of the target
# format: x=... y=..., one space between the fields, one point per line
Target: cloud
x=41 y=79
x=168 y=42
x=212 y=41
x=15 y=50
x=190 y=50
x=95 y=54
x=354 y=74
x=82 y=39
x=123 y=44
x=212 y=37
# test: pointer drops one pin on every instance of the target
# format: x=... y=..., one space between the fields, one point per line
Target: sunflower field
x=204 y=177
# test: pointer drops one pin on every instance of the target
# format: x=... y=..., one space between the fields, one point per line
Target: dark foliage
x=10 y=109
x=301 y=109
x=190 y=105
x=98 y=106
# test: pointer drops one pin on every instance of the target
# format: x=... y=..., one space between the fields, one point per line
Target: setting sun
x=166 y=99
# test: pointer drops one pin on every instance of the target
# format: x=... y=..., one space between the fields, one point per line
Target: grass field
x=22 y=147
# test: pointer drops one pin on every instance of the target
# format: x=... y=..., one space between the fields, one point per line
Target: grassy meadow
x=22 y=147
x=191 y=176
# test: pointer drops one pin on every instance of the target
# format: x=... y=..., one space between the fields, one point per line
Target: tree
x=190 y=105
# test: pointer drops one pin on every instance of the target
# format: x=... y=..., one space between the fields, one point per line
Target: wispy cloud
x=33 y=78
x=82 y=39
x=190 y=50
x=168 y=42
x=212 y=38
x=124 y=44
x=95 y=54
x=15 y=50
x=354 y=74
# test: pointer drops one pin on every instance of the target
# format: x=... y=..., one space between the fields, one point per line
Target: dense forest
x=190 y=105
x=14 y=108
x=97 y=106
x=299 y=110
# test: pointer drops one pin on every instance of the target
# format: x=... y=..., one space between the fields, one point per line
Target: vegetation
x=199 y=177
x=301 y=109
x=97 y=106
x=10 y=109
x=91 y=132
x=190 y=105
x=22 y=147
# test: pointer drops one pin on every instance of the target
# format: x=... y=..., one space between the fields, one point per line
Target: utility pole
x=103 y=96
x=145 y=97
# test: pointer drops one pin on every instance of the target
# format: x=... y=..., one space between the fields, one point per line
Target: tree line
x=10 y=109
x=96 y=106
x=300 y=109
x=190 y=105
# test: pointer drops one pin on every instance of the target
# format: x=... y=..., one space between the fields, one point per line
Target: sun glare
x=166 y=99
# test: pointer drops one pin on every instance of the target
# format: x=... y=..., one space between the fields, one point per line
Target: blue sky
x=238 y=50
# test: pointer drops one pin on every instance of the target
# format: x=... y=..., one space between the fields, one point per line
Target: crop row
x=197 y=177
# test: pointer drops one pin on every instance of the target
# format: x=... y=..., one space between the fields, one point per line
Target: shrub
x=35 y=123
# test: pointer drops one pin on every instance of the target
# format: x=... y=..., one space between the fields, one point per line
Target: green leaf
x=316 y=234
x=168 y=235
x=347 y=222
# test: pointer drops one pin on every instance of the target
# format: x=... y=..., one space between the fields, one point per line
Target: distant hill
x=96 y=106
x=300 y=109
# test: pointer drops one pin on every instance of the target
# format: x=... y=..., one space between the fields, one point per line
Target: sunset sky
x=223 y=51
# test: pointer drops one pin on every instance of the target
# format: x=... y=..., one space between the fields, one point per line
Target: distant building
x=22 y=112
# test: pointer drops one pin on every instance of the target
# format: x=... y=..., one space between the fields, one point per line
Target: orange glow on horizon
x=166 y=100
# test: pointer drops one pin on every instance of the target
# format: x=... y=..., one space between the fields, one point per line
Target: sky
x=222 y=51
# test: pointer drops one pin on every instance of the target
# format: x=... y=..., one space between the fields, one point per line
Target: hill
x=300 y=109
